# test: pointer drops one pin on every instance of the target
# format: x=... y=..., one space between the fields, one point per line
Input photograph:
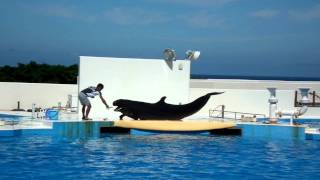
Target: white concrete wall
x=249 y=96
x=136 y=79
x=44 y=95
x=240 y=95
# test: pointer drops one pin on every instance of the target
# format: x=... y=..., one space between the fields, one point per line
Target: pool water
x=9 y=117
x=159 y=157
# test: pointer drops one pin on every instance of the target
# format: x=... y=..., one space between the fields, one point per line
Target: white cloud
x=59 y=10
x=139 y=16
x=199 y=2
x=306 y=15
x=51 y=10
x=203 y=20
x=265 y=13
x=129 y=16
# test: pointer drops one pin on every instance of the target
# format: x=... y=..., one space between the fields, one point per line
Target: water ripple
x=159 y=157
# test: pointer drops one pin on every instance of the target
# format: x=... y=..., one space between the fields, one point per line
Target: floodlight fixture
x=192 y=55
x=169 y=54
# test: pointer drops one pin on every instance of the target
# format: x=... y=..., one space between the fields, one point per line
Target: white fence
x=43 y=95
x=250 y=96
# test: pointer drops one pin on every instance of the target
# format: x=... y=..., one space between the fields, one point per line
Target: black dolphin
x=160 y=110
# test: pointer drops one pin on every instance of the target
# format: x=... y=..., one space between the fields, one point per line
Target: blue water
x=158 y=157
x=9 y=117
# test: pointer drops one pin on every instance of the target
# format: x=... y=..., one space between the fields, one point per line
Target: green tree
x=39 y=73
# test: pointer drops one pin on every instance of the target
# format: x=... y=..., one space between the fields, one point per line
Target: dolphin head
x=120 y=103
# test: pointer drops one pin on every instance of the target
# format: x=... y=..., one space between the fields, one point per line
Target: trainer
x=85 y=102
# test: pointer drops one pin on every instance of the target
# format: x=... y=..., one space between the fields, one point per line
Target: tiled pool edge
x=80 y=129
x=84 y=129
x=272 y=131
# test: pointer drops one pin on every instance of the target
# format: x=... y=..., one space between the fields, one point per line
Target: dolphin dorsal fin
x=162 y=100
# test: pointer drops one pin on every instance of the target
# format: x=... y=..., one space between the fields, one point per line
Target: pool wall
x=89 y=129
x=80 y=129
x=25 y=132
x=272 y=131
x=313 y=136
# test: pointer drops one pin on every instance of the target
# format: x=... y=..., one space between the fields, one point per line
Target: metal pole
x=296 y=99
x=33 y=110
x=222 y=112
x=314 y=99
x=273 y=105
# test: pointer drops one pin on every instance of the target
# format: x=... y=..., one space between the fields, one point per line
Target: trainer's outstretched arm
x=104 y=101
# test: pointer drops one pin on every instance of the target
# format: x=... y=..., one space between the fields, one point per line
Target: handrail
x=218 y=106
x=313 y=99
x=315 y=94
x=236 y=114
x=10 y=122
x=215 y=109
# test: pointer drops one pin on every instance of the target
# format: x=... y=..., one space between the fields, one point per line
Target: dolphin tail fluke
x=214 y=93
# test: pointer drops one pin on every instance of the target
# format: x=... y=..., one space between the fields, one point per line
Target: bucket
x=52 y=114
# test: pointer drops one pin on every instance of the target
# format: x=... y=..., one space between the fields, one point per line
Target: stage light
x=192 y=55
x=169 y=54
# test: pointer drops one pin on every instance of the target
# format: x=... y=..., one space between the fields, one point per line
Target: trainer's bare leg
x=87 y=112
x=83 y=112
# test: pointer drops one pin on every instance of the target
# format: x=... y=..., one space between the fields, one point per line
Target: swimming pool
x=158 y=156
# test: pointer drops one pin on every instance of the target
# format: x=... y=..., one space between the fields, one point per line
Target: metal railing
x=314 y=99
x=221 y=113
x=7 y=122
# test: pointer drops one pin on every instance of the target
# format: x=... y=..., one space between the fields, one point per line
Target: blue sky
x=235 y=37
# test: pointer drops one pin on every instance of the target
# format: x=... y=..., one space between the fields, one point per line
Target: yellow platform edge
x=167 y=125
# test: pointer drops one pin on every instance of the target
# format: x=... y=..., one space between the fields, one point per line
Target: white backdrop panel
x=135 y=79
